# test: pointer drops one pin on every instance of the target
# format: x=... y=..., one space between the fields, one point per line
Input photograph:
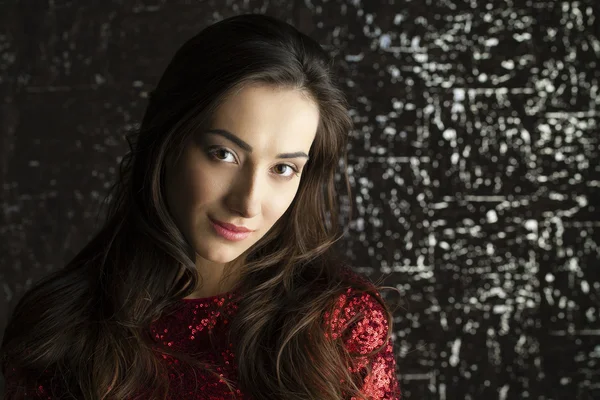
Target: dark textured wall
x=474 y=165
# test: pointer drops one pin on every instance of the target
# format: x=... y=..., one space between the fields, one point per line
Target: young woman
x=215 y=274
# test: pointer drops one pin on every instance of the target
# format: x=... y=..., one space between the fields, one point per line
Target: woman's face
x=242 y=170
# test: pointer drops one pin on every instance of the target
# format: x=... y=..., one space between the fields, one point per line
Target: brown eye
x=292 y=169
x=219 y=150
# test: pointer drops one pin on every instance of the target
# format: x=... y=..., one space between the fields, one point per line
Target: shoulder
x=358 y=317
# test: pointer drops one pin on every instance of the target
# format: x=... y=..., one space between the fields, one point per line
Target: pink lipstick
x=228 y=233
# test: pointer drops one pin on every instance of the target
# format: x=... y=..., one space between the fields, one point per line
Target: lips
x=231 y=227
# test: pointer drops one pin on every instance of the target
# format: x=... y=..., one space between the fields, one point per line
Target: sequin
x=187 y=330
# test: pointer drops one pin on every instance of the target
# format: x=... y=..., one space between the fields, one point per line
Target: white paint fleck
x=384 y=41
x=491 y=216
x=455 y=358
x=449 y=134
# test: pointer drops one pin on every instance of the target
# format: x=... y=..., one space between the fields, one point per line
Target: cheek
x=203 y=185
x=189 y=188
x=278 y=205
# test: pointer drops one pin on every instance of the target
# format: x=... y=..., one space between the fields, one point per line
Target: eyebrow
x=228 y=135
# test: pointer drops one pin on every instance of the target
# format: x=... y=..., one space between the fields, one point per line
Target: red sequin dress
x=187 y=330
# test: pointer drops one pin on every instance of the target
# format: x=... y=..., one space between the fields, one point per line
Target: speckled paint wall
x=473 y=163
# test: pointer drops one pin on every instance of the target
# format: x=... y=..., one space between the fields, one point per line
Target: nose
x=245 y=197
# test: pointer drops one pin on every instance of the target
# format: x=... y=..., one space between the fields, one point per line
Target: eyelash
x=213 y=150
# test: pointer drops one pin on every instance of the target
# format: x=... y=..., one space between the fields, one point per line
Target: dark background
x=474 y=165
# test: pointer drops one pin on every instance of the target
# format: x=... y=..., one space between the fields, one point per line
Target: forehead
x=269 y=118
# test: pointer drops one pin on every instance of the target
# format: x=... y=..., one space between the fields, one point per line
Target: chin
x=218 y=252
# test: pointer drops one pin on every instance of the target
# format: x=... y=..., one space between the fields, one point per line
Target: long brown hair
x=89 y=321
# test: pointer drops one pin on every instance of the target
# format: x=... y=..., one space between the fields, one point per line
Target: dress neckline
x=212 y=298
